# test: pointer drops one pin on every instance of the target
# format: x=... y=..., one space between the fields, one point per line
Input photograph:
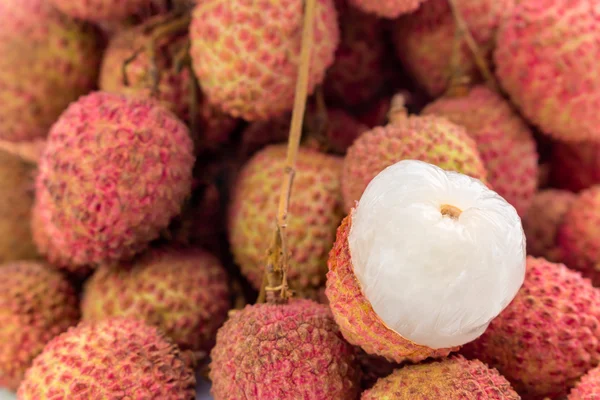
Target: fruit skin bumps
x=291 y=351
x=36 y=304
x=388 y=8
x=246 y=54
x=546 y=58
x=184 y=292
x=588 y=388
x=115 y=358
x=101 y=10
x=505 y=143
x=315 y=206
x=115 y=171
x=548 y=336
x=452 y=378
x=60 y=64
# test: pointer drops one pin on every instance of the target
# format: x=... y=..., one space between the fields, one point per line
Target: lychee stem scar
x=451 y=211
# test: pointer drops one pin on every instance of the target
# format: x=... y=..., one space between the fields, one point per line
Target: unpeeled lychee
x=388 y=8
x=291 y=351
x=114 y=173
x=575 y=166
x=548 y=336
x=588 y=388
x=506 y=144
x=546 y=58
x=412 y=262
x=47 y=61
x=36 y=304
x=114 y=358
x=246 y=54
x=102 y=10
x=184 y=292
x=314 y=209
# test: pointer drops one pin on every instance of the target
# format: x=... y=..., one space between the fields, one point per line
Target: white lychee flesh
x=437 y=253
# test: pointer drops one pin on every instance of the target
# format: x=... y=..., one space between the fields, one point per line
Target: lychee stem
x=321 y=122
x=458 y=81
x=398 y=111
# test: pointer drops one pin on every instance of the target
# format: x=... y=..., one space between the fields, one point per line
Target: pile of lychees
x=434 y=235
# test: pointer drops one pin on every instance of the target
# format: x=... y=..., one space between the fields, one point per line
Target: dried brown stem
x=398 y=110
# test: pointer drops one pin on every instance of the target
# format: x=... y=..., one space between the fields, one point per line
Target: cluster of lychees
x=435 y=235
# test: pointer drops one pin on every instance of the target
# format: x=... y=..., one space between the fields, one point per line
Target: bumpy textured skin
x=545 y=57
x=291 y=351
x=429 y=138
x=173 y=87
x=101 y=10
x=114 y=359
x=246 y=53
x=575 y=166
x=315 y=207
x=548 y=336
x=16 y=201
x=184 y=292
x=424 y=40
x=115 y=171
x=579 y=234
x=60 y=64
x=454 y=378
x=388 y=8
x=355 y=316
x=588 y=388
x=36 y=304
x=505 y=142
x=543 y=220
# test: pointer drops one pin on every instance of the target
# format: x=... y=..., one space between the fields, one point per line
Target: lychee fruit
x=579 y=232
x=16 y=201
x=432 y=139
x=452 y=378
x=506 y=144
x=412 y=262
x=102 y=10
x=36 y=304
x=548 y=336
x=291 y=351
x=588 y=388
x=575 y=166
x=425 y=40
x=543 y=220
x=546 y=61
x=388 y=8
x=246 y=54
x=315 y=212
x=114 y=173
x=173 y=87
x=184 y=292
x=47 y=61
x=114 y=358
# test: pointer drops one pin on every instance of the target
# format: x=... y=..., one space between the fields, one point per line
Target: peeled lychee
x=506 y=144
x=388 y=8
x=452 y=378
x=291 y=351
x=543 y=220
x=579 y=234
x=36 y=304
x=113 y=359
x=588 y=388
x=246 y=54
x=424 y=262
x=575 y=166
x=102 y=10
x=425 y=40
x=184 y=292
x=315 y=212
x=47 y=61
x=548 y=336
x=114 y=173
x=546 y=58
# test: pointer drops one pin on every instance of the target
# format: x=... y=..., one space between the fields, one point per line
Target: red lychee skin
x=36 y=304
x=246 y=53
x=355 y=316
x=388 y=8
x=291 y=351
x=425 y=40
x=114 y=173
x=113 y=359
x=543 y=220
x=579 y=234
x=506 y=144
x=588 y=388
x=174 y=87
x=549 y=335
x=546 y=58
x=575 y=166
x=102 y=10
x=60 y=64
